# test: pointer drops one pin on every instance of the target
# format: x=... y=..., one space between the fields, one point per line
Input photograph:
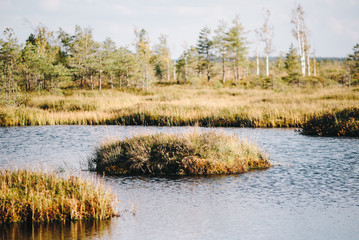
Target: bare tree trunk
x=267 y=66
x=127 y=78
x=223 y=69
x=100 y=81
x=308 y=65
x=100 y=74
x=111 y=81
x=257 y=62
x=168 y=70
x=174 y=70
x=185 y=70
x=91 y=79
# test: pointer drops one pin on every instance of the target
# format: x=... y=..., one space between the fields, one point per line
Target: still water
x=311 y=192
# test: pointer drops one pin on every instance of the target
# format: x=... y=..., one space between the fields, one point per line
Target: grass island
x=173 y=154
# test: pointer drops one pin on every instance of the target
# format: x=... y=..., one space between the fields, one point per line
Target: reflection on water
x=311 y=192
x=69 y=230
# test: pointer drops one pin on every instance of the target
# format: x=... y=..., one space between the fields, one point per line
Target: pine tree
x=204 y=47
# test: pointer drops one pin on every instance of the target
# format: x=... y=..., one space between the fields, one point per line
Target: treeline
x=51 y=60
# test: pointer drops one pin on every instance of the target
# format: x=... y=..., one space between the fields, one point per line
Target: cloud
x=50 y=5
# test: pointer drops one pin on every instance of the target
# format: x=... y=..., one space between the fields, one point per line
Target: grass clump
x=336 y=123
x=171 y=154
x=27 y=196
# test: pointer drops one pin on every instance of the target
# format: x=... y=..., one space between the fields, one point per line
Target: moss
x=170 y=154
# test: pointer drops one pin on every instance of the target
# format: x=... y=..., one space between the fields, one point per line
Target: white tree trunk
x=308 y=64
x=174 y=70
x=257 y=62
x=267 y=65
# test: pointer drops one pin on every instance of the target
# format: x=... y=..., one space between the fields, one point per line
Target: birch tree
x=221 y=45
x=300 y=33
x=162 y=58
x=143 y=54
x=266 y=36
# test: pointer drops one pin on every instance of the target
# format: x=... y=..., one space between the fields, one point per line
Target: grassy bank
x=27 y=196
x=340 y=123
x=170 y=154
x=180 y=106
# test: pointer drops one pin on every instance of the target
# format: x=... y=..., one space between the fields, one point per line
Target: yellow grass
x=41 y=197
x=181 y=105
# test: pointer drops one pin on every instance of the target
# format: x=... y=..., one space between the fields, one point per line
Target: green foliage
x=352 y=63
x=291 y=65
x=190 y=154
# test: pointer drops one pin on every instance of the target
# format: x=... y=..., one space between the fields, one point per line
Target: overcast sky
x=333 y=24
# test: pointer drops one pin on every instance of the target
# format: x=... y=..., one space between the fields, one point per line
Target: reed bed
x=181 y=106
x=170 y=154
x=29 y=196
x=340 y=123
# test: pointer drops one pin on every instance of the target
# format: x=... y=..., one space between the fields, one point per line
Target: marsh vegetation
x=170 y=154
x=36 y=196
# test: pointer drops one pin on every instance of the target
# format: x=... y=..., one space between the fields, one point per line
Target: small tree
x=291 y=65
x=352 y=63
x=236 y=41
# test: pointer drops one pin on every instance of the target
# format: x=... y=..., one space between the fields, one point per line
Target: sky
x=333 y=24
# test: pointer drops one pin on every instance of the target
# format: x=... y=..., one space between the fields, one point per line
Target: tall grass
x=171 y=154
x=339 y=123
x=181 y=105
x=28 y=196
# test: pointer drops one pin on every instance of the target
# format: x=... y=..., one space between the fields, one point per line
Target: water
x=311 y=192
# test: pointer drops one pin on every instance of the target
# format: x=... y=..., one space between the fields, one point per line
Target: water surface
x=311 y=192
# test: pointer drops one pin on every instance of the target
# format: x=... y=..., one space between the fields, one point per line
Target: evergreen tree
x=9 y=59
x=204 y=47
x=236 y=41
x=291 y=65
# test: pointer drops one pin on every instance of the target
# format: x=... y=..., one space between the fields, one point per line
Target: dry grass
x=27 y=196
x=170 y=154
x=340 y=123
x=182 y=105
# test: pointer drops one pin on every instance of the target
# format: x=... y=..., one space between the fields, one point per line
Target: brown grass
x=27 y=196
x=170 y=154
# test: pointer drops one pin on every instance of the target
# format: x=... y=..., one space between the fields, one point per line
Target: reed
x=170 y=154
x=29 y=196
x=180 y=106
x=339 y=123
